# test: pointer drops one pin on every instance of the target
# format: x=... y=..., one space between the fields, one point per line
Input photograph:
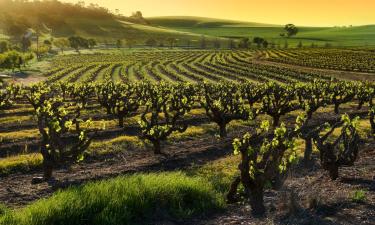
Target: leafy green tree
x=77 y=42
x=130 y=43
x=223 y=103
x=244 y=43
x=5 y=98
x=151 y=42
x=265 y=155
x=118 y=43
x=61 y=43
x=278 y=100
x=54 y=122
x=340 y=93
x=365 y=93
x=311 y=97
x=259 y=41
x=82 y=93
x=128 y=102
x=4 y=46
x=106 y=98
x=13 y=59
x=265 y=44
x=90 y=43
x=337 y=151
x=252 y=92
x=291 y=30
x=165 y=106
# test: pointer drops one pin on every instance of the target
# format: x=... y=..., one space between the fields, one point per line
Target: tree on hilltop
x=291 y=30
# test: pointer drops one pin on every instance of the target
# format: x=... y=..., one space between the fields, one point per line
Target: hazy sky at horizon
x=300 y=12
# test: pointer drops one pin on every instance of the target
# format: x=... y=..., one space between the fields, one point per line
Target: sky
x=299 y=12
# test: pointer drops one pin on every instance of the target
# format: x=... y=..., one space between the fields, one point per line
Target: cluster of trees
x=78 y=42
x=16 y=57
x=246 y=43
x=203 y=43
x=11 y=58
x=75 y=42
x=18 y=16
x=14 y=60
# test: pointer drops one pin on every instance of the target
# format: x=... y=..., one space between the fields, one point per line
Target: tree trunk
x=223 y=130
x=276 y=120
x=278 y=181
x=308 y=150
x=121 y=121
x=256 y=201
x=232 y=196
x=333 y=170
x=309 y=114
x=37 y=47
x=157 y=147
x=372 y=121
x=360 y=106
x=337 y=108
x=78 y=128
x=47 y=169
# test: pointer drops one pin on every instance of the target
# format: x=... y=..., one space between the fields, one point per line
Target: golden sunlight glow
x=300 y=12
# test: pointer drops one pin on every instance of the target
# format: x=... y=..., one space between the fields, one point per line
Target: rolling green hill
x=64 y=19
x=345 y=36
x=113 y=29
x=200 y=22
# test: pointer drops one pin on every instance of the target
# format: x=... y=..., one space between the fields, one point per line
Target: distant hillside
x=339 y=36
x=200 y=22
x=63 y=19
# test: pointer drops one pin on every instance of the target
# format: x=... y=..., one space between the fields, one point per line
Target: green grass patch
x=3 y=209
x=14 y=119
x=19 y=135
x=20 y=163
x=136 y=199
x=359 y=196
x=219 y=172
x=194 y=132
x=118 y=144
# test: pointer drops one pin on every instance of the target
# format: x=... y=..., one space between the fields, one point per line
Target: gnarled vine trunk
x=257 y=200
x=223 y=130
x=308 y=150
x=157 y=146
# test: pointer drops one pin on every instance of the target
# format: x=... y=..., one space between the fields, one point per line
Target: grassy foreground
x=135 y=199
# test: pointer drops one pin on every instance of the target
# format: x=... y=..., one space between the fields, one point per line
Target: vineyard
x=96 y=116
x=359 y=60
x=172 y=66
